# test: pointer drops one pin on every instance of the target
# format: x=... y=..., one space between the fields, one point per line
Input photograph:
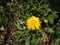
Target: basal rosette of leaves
x=34 y=20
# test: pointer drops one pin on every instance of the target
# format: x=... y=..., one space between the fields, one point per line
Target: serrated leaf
x=50 y=30
x=51 y=18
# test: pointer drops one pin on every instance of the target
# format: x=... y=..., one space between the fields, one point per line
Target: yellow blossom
x=33 y=23
x=46 y=20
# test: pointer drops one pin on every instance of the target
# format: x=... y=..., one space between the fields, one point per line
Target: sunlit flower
x=46 y=20
x=33 y=23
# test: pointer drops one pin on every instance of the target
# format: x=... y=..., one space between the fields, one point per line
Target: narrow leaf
x=27 y=42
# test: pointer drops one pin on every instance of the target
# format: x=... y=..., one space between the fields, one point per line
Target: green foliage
x=50 y=30
x=2 y=28
x=21 y=10
x=57 y=41
x=27 y=42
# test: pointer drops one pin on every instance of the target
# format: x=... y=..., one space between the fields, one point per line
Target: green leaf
x=27 y=42
x=57 y=41
x=54 y=13
x=1 y=8
x=58 y=28
x=2 y=28
x=50 y=30
x=19 y=27
x=17 y=38
x=34 y=40
x=27 y=14
x=51 y=18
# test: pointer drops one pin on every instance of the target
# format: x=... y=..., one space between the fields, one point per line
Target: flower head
x=46 y=20
x=33 y=23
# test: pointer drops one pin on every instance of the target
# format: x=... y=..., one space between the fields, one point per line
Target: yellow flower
x=33 y=23
x=46 y=20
